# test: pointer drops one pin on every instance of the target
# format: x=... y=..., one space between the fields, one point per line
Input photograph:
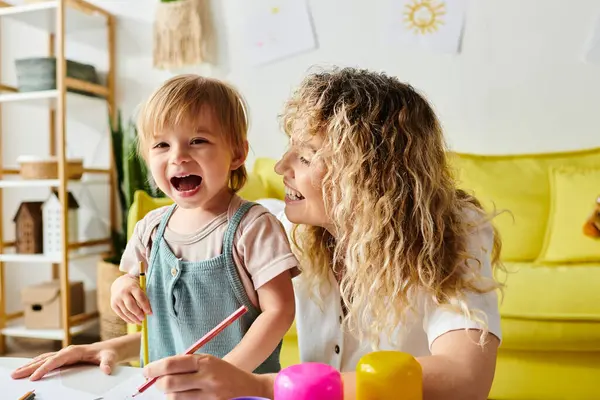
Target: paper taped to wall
x=592 y=50
x=264 y=31
x=436 y=25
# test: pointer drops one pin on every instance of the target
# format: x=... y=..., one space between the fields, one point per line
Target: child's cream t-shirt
x=261 y=247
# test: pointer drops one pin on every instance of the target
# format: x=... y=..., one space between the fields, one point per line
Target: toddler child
x=211 y=251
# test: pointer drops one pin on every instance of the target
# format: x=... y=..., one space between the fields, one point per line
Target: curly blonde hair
x=398 y=217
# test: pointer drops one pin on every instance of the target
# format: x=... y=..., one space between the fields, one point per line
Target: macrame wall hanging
x=178 y=38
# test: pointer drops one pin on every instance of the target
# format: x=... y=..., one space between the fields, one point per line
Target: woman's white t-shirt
x=321 y=339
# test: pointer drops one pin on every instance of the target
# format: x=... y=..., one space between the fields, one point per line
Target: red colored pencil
x=201 y=342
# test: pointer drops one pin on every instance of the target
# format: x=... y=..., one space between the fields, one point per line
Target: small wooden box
x=42 y=304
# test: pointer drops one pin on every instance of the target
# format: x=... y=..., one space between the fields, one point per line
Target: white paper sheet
x=48 y=388
x=90 y=379
x=128 y=387
x=267 y=30
x=592 y=49
x=435 y=25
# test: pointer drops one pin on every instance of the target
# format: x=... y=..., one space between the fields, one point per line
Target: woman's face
x=302 y=177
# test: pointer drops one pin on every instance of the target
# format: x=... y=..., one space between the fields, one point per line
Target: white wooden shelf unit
x=56 y=19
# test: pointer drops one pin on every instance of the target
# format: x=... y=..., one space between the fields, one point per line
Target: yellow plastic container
x=389 y=375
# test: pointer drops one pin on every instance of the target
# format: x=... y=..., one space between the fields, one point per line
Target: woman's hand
x=97 y=353
x=128 y=300
x=205 y=377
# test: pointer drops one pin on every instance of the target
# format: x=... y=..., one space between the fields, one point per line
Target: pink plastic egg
x=309 y=381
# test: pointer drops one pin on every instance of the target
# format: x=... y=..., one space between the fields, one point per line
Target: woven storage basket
x=47 y=168
x=111 y=325
x=37 y=74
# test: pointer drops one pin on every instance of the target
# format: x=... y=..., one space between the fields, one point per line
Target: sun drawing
x=424 y=16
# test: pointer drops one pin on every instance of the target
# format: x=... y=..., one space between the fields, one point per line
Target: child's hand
x=128 y=300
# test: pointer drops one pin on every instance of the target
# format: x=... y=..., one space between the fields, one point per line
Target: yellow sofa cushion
x=573 y=195
x=142 y=204
x=550 y=336
x=553 y=308
x=535 y=375
x=254 y=188
x=265 y=169
x=519 y=184
x=290 y=353
x=558 y=293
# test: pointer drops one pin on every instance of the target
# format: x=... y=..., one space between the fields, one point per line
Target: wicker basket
x=47 y=168
x=38 y=74
x=110 y=324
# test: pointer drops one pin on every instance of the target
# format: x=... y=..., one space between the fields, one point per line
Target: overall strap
x=230 y=266
x=160 y=231
x=232 y=227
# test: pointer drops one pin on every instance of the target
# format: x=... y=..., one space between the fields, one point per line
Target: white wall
x=519 y=85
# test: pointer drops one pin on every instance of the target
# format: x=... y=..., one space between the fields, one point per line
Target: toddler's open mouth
x=186 y=183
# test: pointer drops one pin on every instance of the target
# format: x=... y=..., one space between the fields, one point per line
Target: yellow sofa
x=551 y=306
x=550 y=310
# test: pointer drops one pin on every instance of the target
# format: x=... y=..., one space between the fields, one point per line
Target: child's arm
x=127 y=299
x=263 y=256
x=277 y=303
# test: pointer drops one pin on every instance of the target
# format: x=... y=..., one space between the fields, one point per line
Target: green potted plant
x=131 y=175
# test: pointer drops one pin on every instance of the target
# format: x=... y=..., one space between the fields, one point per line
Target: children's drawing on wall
x=424 y=17
x=433 y=24
x=592 y=49
x=263 y=31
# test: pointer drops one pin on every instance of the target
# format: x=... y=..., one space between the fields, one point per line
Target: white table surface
x=86 y=378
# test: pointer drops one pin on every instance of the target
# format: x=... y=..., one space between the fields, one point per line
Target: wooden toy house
x=29 y=228
x=51 y=214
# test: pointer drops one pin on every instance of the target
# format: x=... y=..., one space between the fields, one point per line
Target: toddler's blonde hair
x=181 y=98
x=401 y=225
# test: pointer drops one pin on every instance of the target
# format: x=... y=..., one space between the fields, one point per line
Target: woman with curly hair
x=393 y=256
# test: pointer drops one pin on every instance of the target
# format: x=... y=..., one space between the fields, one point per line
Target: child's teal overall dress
x=188 y=299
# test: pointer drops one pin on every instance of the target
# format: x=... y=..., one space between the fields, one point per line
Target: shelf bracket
x=81 y=318
x=17 y=315
x=6 y=88
x=87 y=7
